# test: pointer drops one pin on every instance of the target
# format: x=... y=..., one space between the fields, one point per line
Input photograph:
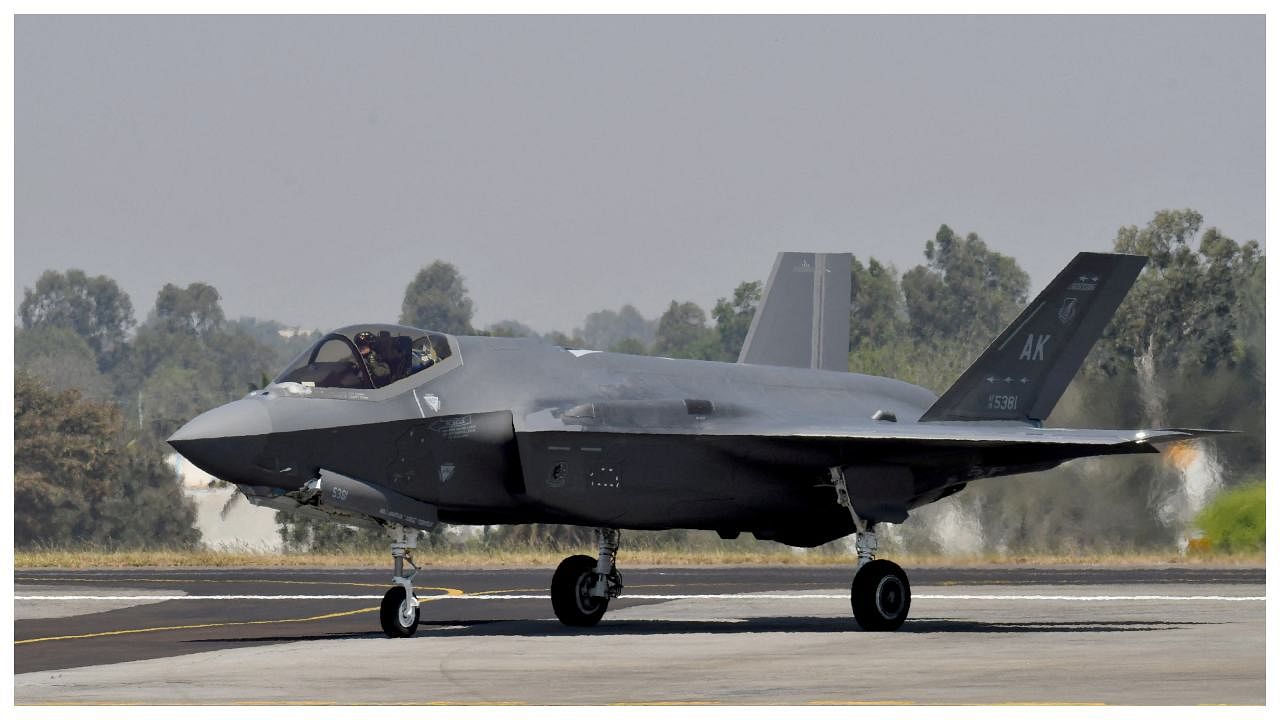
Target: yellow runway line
x=449 y=592
x=134 y=631
x=510 y=590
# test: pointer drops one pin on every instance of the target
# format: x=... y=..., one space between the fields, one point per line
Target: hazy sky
x=307 y=167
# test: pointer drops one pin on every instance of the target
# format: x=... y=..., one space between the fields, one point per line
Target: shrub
x=1236 y=520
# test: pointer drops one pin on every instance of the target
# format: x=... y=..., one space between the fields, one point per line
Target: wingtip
x=1165 y=435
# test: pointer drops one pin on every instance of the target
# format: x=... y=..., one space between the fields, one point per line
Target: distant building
x=226 y=520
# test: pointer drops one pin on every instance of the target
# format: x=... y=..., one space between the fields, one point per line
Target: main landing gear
x=583 y=585
x=399 y=611
x=881 y=594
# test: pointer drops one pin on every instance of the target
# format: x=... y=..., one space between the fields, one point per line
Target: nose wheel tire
x=399 y=619
x=881 y=596
x=571 y=592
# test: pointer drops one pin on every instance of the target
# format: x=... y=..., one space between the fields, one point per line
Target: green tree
x=95 y=308
x=555 y=337
x=510 y=328
x=966 y=293
x=733 y=319
x=879 y=339
x=285 y=342
x=928 y=327
x=62 y=359
x=606 y=328
x=187 y=359
x=1186 y=307
x=172 y=394
x=629 y=346
x=181 y=329
x=877 y=315
x=195 y=310
x=436 y=299
x=683 y=333
x=80 y=478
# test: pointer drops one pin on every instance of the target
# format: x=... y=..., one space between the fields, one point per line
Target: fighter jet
x=403 y=428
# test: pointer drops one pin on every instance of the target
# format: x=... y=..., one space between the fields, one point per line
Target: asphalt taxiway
x=1170 y=635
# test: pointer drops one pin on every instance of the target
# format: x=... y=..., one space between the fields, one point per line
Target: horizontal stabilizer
x=1024 y=372
x=803 y=318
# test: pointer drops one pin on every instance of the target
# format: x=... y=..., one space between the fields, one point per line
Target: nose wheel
x=399 y=617
x=399 y=610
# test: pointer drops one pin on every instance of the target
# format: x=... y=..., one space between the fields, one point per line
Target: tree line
x=97 y=392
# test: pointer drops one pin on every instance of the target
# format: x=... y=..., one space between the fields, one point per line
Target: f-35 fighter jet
x=402 y=428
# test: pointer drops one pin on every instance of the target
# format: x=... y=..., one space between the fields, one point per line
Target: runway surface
x=749 y=635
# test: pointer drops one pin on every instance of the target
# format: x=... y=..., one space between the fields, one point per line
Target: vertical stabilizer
x=803 y=318
x=1024 y=372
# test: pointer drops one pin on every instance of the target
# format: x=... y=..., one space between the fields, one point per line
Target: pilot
x=424 y=357
x=379 y=370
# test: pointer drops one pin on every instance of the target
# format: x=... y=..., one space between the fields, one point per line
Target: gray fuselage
x=513 y=430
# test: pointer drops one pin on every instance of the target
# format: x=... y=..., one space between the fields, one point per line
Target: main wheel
x=881 y=596
x=399 y=620
x=571 y=592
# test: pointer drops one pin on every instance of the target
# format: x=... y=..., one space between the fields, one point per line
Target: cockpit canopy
x=367 y=357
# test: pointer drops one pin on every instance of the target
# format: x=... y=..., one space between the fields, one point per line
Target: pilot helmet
x=363 y=338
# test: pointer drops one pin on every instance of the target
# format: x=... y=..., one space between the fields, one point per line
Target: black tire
x=569 y=592
x=395 y=624
x=881 y=596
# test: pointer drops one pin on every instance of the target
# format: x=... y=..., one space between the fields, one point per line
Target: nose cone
x=226 y=440
x=236 y=419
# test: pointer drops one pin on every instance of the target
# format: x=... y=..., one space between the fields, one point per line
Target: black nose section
x=226 y=441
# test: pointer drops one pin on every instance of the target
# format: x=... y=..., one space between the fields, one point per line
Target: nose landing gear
x=582 y=585
x=399 y=610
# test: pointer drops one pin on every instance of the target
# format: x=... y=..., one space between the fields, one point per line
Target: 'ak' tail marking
x=1024 y=372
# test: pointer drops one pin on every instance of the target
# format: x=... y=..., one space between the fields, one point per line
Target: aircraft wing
x=968 y=434
x=680 y=418
x=927 y=444
x=980 y=449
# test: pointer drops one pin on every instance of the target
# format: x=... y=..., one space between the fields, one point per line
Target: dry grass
x=494 y=558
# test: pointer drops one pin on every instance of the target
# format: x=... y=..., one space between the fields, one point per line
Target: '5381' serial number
x=1002 y=402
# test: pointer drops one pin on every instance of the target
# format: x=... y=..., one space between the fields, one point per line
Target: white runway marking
x=754 y=596
x=1092 y=598
x=725 y=596
x=205 y=597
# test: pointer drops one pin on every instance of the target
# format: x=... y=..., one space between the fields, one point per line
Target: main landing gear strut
x=583 y=585
x=881 y=594
x=399 y=611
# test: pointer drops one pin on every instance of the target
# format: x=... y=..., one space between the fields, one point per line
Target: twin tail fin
x=1026 y=369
